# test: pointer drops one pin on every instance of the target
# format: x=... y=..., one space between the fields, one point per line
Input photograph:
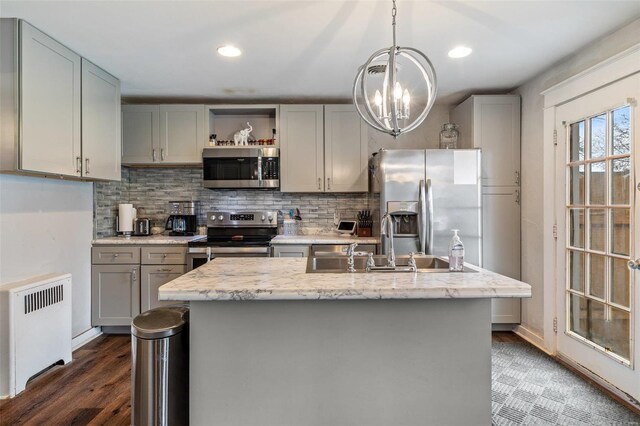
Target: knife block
x=363 y=232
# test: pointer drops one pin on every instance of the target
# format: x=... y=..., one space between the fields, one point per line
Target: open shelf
x=225 y=120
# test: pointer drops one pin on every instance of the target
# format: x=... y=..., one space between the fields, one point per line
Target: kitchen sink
x=338 y=264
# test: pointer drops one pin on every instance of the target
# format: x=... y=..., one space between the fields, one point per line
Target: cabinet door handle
x=79 y=165
x=329 y=183
x=86 y=166
x=154 y=154
x=517 y=194
x=517 y=178
x=162 y=154
x=133 y=275
x=319 y=183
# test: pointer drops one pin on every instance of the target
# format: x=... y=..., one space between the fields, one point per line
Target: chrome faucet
x=386 y=228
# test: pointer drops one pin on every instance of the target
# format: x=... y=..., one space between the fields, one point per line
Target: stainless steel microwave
x=236 y=168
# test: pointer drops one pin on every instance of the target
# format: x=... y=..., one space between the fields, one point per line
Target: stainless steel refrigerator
x=428 y=193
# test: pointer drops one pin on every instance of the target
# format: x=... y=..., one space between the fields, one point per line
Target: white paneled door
x=598 y=221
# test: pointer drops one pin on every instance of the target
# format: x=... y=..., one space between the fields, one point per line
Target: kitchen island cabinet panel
x=115 y=295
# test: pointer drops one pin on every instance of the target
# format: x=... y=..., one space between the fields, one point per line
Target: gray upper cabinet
x=323 y=149
x=163 y=134
x=345 y=149
x=49 y=104
x=49 y=95
x=301 y=148
x=492 y=123
x=101 y=132
x=140 y=134
x=182 y=133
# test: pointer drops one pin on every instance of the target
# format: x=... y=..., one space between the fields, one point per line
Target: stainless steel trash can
x=160 y=367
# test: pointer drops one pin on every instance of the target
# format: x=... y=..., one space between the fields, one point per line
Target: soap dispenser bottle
x=456 y=253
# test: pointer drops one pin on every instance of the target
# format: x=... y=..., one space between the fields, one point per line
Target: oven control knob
x=213 y=217
x=220 y=217
x=270 y=218
x=263 y=218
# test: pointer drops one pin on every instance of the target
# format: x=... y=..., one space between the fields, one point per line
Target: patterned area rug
x=530 y=388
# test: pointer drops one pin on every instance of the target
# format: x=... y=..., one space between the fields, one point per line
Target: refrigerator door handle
x=422 y=217
x=429 y=201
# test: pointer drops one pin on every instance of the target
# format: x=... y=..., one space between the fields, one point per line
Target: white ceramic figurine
x=242 y=136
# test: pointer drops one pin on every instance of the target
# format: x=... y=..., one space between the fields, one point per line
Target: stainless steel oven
x=234 y=234
x=235 y=168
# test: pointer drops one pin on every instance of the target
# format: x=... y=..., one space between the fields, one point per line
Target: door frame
x=617 y=67
x=612 y=69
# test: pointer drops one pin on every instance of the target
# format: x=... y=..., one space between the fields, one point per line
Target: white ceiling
x=311 y=49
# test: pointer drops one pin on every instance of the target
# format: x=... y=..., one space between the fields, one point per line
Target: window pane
x=597 y=182
x=598 y=136
x=620 y=181
x=619 y=282
x=597 y=229
x=576 y=270
x=620 y=126
x=576 y=228
x=576 y=185
x=620 y=231
x=596 y=275
x=576 y=142
x=587 y=319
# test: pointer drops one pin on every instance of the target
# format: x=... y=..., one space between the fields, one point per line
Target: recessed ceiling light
x=460 y=52
x=229 y=51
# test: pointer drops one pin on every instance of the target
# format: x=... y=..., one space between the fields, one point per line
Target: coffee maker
x=182 y=218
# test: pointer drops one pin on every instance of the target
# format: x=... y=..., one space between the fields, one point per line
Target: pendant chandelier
x=389 y=82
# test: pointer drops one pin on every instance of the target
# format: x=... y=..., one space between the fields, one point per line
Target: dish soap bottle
x=456 y=253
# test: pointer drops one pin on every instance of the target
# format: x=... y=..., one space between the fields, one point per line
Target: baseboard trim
x=84 y=338
x=618 y=394
x=532 y=337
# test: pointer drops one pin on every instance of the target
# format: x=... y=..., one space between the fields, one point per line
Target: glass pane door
x=599 y=230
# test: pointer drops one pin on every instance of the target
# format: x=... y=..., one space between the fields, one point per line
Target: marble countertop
x=286 y=279
x=149 y=239
x=323 y=239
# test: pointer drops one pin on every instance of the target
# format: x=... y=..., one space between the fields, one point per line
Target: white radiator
x=35 y=329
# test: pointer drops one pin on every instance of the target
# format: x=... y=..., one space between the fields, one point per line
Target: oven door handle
x=239 y=250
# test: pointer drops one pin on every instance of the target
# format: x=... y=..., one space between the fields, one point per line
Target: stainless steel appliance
x=182 y=219
x=234 y=234
x=142 y=227
x=160 y=367
x=236 y=168
x=427 y=193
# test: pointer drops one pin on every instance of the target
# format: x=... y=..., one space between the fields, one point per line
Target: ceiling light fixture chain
x=389 y=107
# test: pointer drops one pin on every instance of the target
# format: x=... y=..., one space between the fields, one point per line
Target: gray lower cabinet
x=151 y=278
x=125 y=280
x=115 y=296
x=290 y=250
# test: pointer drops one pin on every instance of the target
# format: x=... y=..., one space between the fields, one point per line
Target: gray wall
x=533 y=198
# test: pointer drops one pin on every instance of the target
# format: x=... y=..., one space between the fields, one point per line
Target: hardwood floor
x=94 y=389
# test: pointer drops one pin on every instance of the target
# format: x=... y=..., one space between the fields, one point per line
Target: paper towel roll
x=125 y=217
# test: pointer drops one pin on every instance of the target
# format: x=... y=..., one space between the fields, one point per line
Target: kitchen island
x=272 y=344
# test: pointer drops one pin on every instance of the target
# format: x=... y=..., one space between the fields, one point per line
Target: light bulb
x=406 y=97
x=397 y=91
x=378 y=98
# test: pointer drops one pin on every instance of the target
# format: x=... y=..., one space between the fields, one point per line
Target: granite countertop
x=286 y=279
x=324 y=239
x=149 y=239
